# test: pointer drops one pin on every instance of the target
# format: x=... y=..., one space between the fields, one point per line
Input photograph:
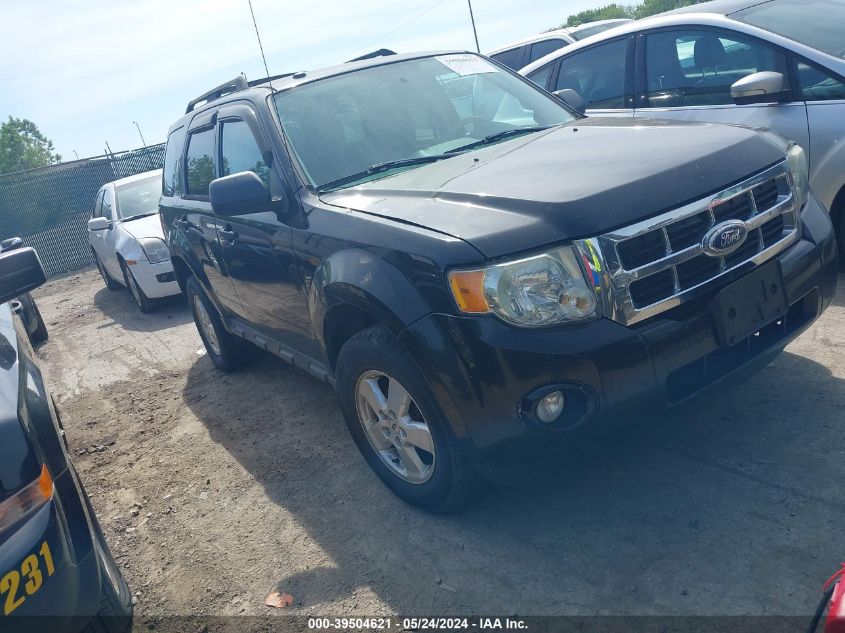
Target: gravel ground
x=215 y=490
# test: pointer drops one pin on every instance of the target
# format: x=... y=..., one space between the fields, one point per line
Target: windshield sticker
x=465 y=65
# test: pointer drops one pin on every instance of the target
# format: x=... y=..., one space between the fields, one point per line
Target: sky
x=84 y=70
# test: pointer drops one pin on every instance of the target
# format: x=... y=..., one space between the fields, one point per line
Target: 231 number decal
x=32 y=576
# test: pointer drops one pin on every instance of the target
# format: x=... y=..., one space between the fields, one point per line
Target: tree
x=653 y=7
x=607 y=12
x=23 y=146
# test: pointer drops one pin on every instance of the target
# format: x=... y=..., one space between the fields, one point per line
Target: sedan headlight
x=155 y=249
x=796 y=160
x=542 y=290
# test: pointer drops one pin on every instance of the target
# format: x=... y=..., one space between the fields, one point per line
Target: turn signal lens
x=468 y=289
x=32 y=496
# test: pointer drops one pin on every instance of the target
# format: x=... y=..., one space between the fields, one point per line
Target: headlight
x=796 y=159
x=155 y=249
x=533 y=292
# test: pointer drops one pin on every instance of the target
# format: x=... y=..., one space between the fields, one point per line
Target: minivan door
x=687 y=74
x=257 y=246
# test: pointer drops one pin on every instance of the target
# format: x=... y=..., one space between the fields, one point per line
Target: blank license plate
x=745 y=306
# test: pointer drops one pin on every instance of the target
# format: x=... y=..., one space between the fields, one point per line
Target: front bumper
x=156 y=280
x=481 y=369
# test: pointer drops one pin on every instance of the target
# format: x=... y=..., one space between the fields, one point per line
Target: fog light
x=550 y=407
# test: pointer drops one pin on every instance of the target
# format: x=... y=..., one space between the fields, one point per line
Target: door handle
x=228 y=235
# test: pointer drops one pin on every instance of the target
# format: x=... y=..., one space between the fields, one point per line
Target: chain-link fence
x=49 y=207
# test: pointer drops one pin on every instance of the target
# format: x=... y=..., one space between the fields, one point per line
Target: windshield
x=343 y=126
x=138 y=198
x=814 y=23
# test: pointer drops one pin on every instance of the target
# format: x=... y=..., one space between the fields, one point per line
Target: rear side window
x=240 y=151
x=543 y=48
x=171 y=181
x=512 y=58
x=597 y=74
x=200 y=162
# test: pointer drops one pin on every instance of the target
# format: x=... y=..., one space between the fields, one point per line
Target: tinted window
x=240 y=151
x=819 y=85
x=200 y=162
x=107 y=203
x=693 y=68
x=512 y=58
x=817 y=24
x=541 y=49
x=541 y=75
x=171 y=178
x=597 y=74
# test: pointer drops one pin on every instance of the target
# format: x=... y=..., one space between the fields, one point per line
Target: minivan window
x=512 y=58
x=171 y=179
x=200 y=162
x=544 y=47
x=240 y=151
x=410 y=110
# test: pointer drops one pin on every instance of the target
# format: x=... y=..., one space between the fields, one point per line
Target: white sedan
x=127 y=239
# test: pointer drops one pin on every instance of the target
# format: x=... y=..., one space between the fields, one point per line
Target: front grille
x=657 y=264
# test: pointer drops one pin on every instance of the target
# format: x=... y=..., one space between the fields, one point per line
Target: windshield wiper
x=140 y=215
x=498 y=136
x=382 y=167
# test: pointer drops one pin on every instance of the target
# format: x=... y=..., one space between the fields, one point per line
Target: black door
x=256 y=247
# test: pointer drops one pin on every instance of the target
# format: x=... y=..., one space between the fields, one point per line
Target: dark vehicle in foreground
x=483 y=274
x=24 y=305
x=56 y=571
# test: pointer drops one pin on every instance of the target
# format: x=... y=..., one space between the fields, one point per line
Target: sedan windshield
x=367 y=124
x=814 y=23
x=138 y=198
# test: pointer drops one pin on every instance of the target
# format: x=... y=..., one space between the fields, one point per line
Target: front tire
x=398 y=425
x=227 y=352
x=144 y=303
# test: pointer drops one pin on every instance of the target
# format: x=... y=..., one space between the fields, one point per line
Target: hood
x=148 y=226
x=578 y=180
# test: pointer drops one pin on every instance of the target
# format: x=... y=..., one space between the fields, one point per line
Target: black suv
x=56 y=571
x=481 y=272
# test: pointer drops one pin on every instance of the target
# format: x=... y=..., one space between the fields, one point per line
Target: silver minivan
x=778 y=64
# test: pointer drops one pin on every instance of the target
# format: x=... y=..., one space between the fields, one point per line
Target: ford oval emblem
x=723 y=239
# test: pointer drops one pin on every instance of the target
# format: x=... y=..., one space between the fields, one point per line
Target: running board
x=297 y=359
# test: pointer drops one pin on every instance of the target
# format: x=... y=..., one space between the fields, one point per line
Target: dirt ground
x=215 y=490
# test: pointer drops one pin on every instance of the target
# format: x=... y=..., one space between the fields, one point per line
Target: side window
x=694 y=68
x=98 y=204
x=200 y=162
x=597 y=74
x=240 y=151
x=105 y=210
x=544 y=47
x=171 y=181
x=541 y=75
x=818 y=85
x=512 y=58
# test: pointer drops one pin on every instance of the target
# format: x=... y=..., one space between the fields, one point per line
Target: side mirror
x=762 y=87
x=572 y=99
x=99 y=224
x=238 y=194
x=20 y=272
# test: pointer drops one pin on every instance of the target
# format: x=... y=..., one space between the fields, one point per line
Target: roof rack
x=264 y=80
x=236 y=84
x=382 y=52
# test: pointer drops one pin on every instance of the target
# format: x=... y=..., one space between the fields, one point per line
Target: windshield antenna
x=260 y=46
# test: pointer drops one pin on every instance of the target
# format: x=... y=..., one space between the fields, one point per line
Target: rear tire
x=111 y=284
x=840 y=238
x=438 y=478
x=226 y=351
x=144 y=303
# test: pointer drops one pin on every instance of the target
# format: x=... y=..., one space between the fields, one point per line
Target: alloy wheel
x=207 y=327
x=395 y=427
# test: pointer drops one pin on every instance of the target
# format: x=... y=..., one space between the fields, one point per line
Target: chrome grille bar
x=618 y=276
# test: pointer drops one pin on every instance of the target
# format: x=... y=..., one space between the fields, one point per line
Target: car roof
x=136 y=177
x=562 y=33
x=588 y=25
